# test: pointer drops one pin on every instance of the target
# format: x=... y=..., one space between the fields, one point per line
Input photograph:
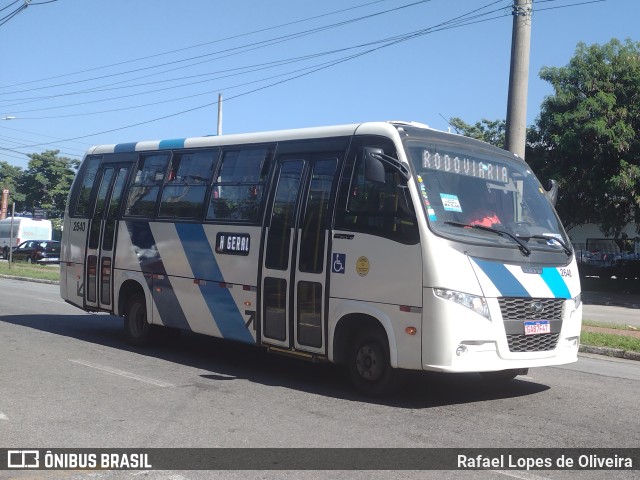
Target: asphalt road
x=68 y=380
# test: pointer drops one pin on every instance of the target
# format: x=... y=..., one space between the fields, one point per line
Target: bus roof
x=372 y=128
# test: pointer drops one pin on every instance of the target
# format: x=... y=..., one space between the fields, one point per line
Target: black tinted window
x=84 y=194
x=378 y=208
x=238 y=190
x=183 y=195
x=145 y=188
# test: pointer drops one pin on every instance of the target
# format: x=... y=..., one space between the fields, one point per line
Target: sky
x=78 y=73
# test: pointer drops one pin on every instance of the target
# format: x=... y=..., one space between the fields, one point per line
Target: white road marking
x=520 y=475
x=122 y=373
x=3 y=416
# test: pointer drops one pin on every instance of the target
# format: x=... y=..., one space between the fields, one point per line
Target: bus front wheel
x=369 y=366
x=137 y=330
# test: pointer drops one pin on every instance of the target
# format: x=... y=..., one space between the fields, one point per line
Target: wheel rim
x=369 y=362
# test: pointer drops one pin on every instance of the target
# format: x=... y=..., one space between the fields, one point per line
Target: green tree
x=9 y=180
x=588 y=135
x=47 y=180
x=490 y=131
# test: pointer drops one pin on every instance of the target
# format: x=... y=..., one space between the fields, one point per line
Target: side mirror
x=373 y=166
x=552 y=191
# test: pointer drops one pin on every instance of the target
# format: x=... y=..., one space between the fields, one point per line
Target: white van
x=23 y=229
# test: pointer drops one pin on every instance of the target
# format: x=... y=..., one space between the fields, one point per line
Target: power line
x=8 y=17
x=565 y=6
x=267 y=42
x=193 y=46
x=11 y=4
x=452 y=23
x=230 y=51
x=247 y=69
x=21 y=8
x=463 y=20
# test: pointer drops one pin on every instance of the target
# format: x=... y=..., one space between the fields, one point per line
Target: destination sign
x=470 y=167
x=233 y=243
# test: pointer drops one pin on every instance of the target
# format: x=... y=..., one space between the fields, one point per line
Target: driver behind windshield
x=481 y=204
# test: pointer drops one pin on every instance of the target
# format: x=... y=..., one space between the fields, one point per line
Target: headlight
x=472 y=302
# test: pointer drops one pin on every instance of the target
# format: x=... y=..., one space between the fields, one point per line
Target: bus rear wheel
x=369 y=366
x=137 y=330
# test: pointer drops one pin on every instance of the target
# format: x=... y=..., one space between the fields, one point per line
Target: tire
x=137 y=330
x=369 y=366
x=503 y=376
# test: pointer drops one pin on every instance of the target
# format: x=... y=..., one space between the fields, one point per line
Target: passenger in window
x=483 y=206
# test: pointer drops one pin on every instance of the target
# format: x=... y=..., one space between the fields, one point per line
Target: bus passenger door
x=294 y=270
x=102 y=235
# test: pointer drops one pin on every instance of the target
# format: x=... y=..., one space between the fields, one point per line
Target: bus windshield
x=482 y=197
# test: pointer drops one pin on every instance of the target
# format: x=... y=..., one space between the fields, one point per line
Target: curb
x=610 y=352
x=32 y=280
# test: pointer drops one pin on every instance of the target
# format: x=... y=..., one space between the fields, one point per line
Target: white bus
x=24 y=228
x=352 y=244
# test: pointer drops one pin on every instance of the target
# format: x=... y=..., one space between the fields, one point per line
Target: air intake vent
x=532 y=343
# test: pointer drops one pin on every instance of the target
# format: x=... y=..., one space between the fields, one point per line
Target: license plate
x=539 y=326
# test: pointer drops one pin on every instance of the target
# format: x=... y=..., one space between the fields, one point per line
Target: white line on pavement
x=122 y=373
x=3 y=416
x=520 y=475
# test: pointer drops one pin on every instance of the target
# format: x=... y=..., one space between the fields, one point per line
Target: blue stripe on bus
x=171 y=312
x=219 y=300
x=175 y=143
x=503 y=279
x=125 y=147
x=555 y=282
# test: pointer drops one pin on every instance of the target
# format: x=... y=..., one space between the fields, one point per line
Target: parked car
x=38 y=251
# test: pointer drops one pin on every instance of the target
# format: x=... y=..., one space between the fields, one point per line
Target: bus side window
x=237 y=192
x=143 y=194
x=183 y=196
x=377 y=208
x=84 y=190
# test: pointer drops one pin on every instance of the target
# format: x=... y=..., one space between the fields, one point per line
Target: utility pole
x=219 y=114
x=516 y=128
x=5 y=204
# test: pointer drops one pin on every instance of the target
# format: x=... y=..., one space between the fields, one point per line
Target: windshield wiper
x=523 y=248
x=564 y=246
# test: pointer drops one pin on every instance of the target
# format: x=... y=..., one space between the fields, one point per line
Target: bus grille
x=515 y=311
x=532 y=343
x=521 y=308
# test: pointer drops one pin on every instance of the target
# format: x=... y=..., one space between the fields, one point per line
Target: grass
x=592 y=323
x=610 y=340
x=20 y=269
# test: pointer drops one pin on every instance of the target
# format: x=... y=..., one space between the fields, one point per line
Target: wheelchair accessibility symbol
x=338 y=262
